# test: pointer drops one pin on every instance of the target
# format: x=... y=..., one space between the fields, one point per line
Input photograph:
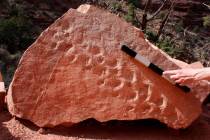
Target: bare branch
x=158 y=11
x=144 y=18
x=165 y=20
x=186 y=31
x=146 y=8
x=208 y=6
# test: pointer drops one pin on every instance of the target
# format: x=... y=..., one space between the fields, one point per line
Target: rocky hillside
x=186 y=34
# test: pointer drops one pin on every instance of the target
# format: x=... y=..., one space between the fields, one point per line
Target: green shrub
x=116 y=6
x=16 y=11
x=131 y=15
x=167 y=46
x=179 y=27
x=162 y=14
x=196 y=29
x=15 y=33
x=134 y=2
x=151 y=36
x=206 y=21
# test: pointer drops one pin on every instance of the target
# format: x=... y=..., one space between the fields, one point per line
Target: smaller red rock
x=2 y=93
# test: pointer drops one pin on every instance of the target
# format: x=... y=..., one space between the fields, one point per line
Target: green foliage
x=206 y=21
x=116 y=6
x=179 y=27
x=164 y=44
x=196 y=29
x=131 y=15
x=151 y=36
x=167 y=46
x=134 y=2
x=15 y=32
x=162 y=14
x=16 y=11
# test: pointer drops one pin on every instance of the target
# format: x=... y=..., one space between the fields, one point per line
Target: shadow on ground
x=131 y=130
x=117 y=130
x=4 y=131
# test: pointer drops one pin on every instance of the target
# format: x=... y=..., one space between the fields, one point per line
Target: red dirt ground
x=17 y=129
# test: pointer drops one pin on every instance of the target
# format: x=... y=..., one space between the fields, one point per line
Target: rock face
x=75 y=70
x=2 y=93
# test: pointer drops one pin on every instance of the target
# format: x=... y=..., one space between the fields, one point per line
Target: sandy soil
x=17 y=129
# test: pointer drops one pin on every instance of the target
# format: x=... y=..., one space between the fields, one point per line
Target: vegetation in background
x=168 y=46
x=131 y=15
x=179 y=27
x=151 y=36
x=136 y=3
x=16 y=34
x=162 y=14
x=206 y=21
x=116 y=6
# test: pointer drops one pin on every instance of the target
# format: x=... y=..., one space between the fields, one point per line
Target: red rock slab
x=75 y=70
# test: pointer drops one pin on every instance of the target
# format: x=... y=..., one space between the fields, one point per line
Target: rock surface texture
x=75 y=70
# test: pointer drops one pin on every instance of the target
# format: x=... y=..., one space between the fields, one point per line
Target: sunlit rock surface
x=75 y=70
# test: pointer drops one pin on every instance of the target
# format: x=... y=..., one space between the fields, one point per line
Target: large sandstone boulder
x=75 y=70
